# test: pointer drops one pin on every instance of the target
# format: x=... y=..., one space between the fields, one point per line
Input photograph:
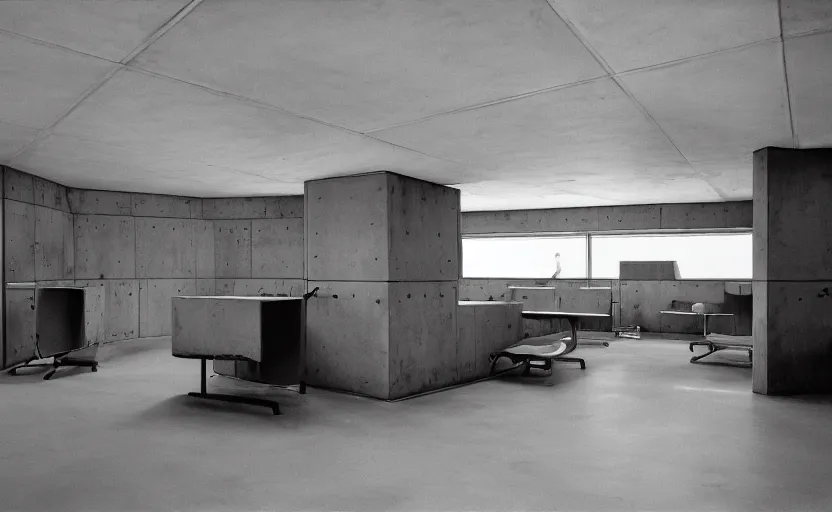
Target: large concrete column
x=792 y=271
x=384 y=250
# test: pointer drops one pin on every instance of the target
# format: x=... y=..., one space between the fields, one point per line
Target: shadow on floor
x=186 y=410
x=563 y=373
x=31 y=374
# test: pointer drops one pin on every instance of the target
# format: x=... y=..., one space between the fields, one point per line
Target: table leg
x=203 y=385
x=704 y=325
x=573 y=324
x=261 y=402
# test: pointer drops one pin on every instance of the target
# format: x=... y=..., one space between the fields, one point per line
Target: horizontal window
x=699 y=256
x=525 y=257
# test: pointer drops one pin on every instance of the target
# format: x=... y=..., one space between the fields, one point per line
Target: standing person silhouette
x=558 y=269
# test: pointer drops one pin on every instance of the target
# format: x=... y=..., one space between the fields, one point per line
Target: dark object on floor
x=717 y=342
x=60 y=332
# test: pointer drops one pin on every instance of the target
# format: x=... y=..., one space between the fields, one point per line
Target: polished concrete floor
x=640 y=429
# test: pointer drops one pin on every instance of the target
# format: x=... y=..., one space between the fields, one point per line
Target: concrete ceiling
x=519 y=103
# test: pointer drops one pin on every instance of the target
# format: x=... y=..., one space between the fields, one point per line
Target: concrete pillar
x=384 y=249
x=792 y=288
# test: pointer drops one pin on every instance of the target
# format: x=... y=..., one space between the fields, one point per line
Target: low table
x=703 y=315
x=717 y=342
x=574 y=319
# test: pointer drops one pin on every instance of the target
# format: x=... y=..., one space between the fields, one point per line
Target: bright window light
x=700 y=256
x=524 y=257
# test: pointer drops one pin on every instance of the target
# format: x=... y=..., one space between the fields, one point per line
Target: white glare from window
x=700 y=256
x=524 y=257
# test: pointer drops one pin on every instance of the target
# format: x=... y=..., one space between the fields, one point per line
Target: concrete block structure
x=384 y=250
x=792 y=288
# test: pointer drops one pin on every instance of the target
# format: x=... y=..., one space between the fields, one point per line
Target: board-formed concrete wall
x=736 y=214
x=141 y=250
x=384 y=250
x=257 y=245
x=39 y=249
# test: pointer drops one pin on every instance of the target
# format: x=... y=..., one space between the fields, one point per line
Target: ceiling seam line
x=492 y=103
x=807 y=33
x=667 y=136
x=691 y=58
x=603 y=63
x=41 y=42
x=162 y=30
x=472 y=107
x=266 y=106
x=786 y=76
x=610 y=74
x=44 y=132
x=575 y=32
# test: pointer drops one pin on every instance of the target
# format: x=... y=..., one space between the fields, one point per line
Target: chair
x=544 y=354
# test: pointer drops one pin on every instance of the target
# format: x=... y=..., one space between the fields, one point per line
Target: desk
x=67 y=326
x=703 y=315
x=268 y=331
x=574 y=319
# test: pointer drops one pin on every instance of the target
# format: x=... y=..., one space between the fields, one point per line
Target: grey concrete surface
x=808 y=83
x=232 y=248
x=155 y=205
x=735 y=214
x=155 y=304
x=18 y=186
x=105 y=247
x=99 y=202
x=792 y=271
x=277 y=248
x=382 y=227
x=19 y=247
x=640 y=429
x=50 y=194
x=165 y=248
x=384 y=249
x=216 y=99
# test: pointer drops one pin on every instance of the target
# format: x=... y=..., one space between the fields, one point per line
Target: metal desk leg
x=204 y=386
x=261 y=402
x=573 y=324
